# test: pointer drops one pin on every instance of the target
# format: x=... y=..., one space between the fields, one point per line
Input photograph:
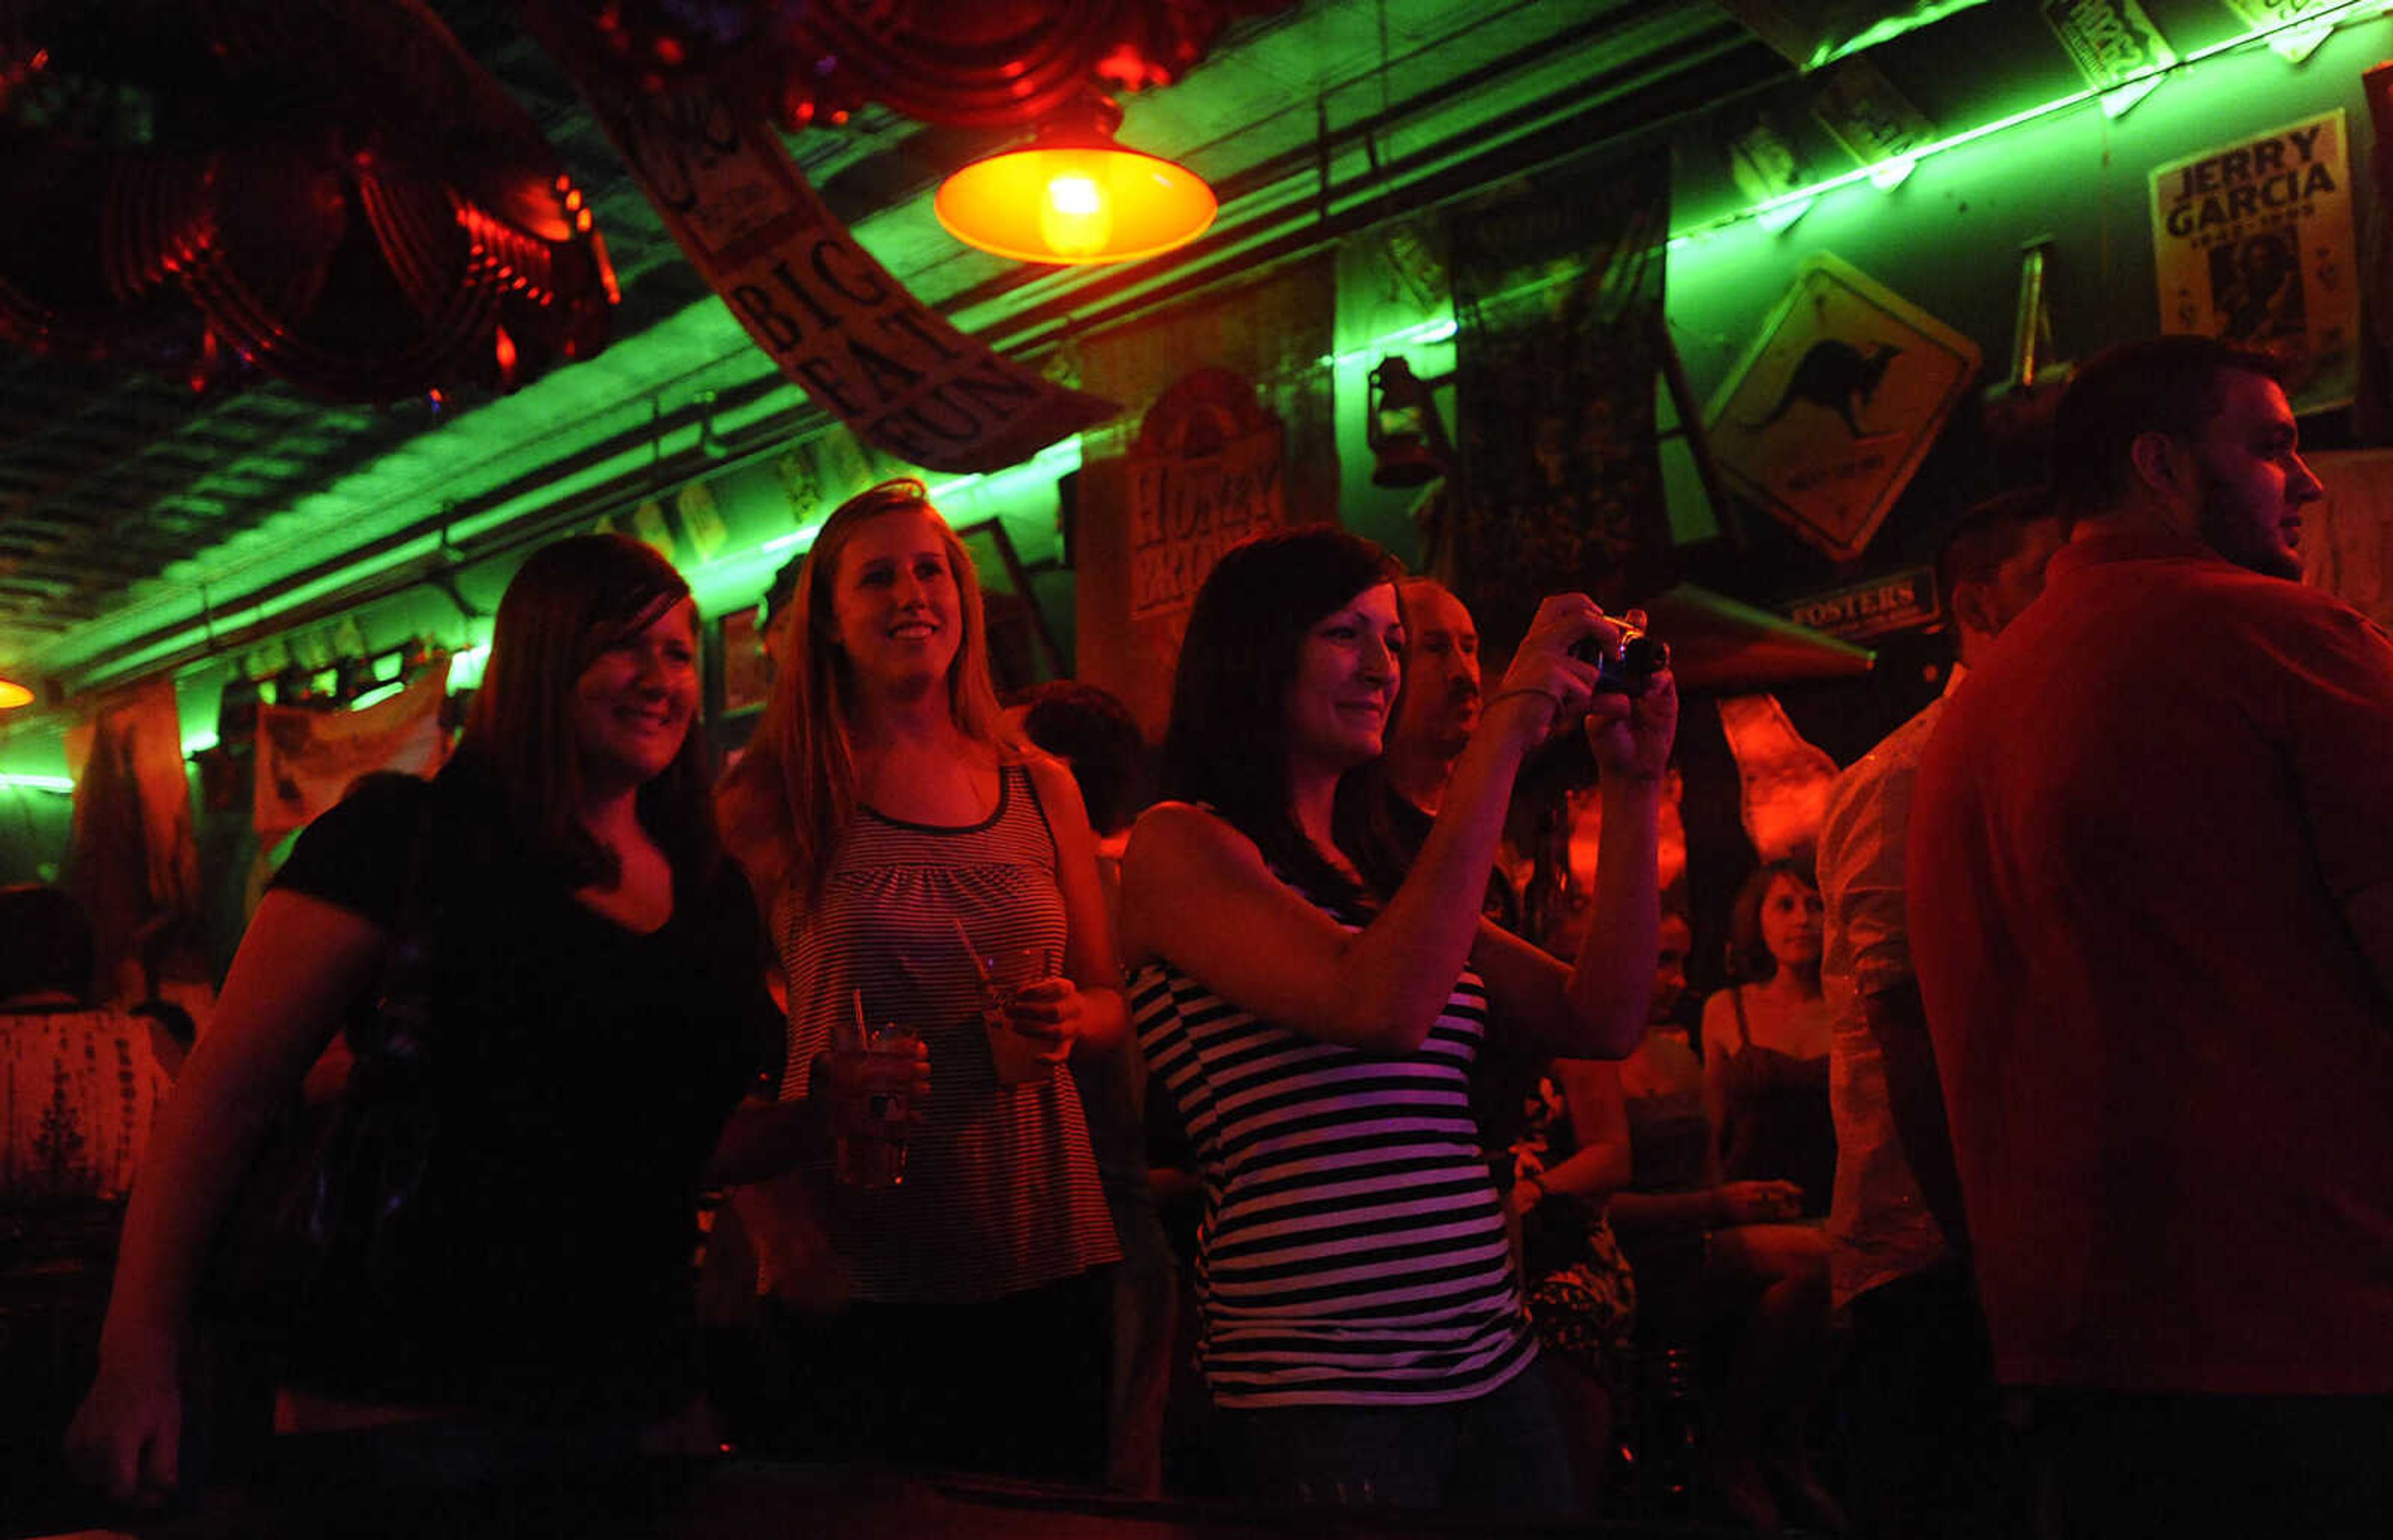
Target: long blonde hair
x=783 y=805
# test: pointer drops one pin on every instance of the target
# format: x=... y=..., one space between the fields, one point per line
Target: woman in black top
x=581 y=970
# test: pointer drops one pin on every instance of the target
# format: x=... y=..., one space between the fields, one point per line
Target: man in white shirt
x=1923 y=1389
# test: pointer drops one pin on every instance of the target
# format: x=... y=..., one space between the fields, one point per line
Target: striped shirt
x=1001 y=1192
x=1352 y=1250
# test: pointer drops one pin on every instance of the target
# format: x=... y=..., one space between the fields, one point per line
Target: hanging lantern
x=1406 y=436
x=1075 y=196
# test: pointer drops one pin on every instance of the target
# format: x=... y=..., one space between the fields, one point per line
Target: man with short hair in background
x=2152 y=912
x=1926 y=1438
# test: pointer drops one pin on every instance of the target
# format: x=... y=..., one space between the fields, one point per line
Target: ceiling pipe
x=1722 y=62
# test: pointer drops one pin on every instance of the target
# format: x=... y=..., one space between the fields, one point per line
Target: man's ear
x=2160 y=460
x=1972 y=608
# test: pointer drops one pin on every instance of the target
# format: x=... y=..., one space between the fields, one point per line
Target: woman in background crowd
x=957 y=1317
x=1746 y=1233
x=1362 y=1325
x=1766 y=1041
x=549 y=978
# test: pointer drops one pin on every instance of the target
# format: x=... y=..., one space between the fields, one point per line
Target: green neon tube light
x=1782 y=210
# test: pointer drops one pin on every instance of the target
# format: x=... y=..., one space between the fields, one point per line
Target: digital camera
x=1631 y=672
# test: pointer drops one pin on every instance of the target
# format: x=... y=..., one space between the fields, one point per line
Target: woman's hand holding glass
x=1049 y=1013
x=853 y=1077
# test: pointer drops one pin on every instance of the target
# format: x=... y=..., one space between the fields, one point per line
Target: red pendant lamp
x=1075 y=196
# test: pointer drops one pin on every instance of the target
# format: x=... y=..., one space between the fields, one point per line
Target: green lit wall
x=1949 y=238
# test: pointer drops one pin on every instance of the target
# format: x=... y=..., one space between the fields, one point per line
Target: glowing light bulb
x=1075 y=217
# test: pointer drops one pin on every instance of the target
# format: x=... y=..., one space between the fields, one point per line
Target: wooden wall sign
x=1827 y=418
x=1204 y=475
x=1207 y=470
x=1234 y=434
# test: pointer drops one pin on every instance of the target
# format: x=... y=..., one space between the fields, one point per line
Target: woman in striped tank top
x=954 y=1319
x=1363 y=1330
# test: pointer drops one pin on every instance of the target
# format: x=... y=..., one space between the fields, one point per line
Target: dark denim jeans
x=1503 y=1452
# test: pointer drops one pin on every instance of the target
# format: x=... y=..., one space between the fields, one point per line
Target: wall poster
x=2251 y=242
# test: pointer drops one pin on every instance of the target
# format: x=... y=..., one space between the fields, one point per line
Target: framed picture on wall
x=744 y=675
x=1021 y=651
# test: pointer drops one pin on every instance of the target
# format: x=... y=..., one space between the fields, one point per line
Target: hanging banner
x=306 y=759
x=2251 y=241
x=2294 y=44
x=837 y=322
x=1558 y=284
x=133 y=864
x=1825 y=419
x=1867 y=114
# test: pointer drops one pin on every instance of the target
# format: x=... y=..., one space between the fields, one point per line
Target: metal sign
x=1830 y=413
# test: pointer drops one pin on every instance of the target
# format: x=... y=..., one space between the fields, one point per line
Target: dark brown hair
x=1227 y=745
x=1985 y=537
x=1748 y=960
x=569 y=603
x=2168 y=384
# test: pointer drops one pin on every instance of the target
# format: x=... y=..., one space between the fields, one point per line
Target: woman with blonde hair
x=949 y=1316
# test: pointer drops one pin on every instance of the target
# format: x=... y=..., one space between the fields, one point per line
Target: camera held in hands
x=1630 y=670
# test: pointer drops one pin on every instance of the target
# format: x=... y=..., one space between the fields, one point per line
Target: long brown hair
x=1227 y=743
x=1750 y=961
x=569 y=603
x=784 y=804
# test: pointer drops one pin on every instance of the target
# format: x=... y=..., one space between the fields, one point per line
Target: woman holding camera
x=1363 y=1331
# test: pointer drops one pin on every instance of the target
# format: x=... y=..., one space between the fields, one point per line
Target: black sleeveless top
x=1779 y=1126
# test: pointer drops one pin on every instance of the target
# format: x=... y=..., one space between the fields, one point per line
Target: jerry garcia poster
x=2251 y=242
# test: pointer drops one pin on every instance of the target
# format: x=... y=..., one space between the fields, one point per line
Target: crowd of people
x=2033 y=1133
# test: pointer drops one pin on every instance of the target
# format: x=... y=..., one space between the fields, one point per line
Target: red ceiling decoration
x=329 y=190
x=966 y=63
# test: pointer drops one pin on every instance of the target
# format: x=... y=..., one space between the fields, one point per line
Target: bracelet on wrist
x=1527 y=690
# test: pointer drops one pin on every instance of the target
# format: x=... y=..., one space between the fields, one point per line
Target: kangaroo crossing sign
x=1823 y=421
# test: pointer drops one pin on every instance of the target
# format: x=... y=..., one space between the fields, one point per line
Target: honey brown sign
x=1204 y=475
